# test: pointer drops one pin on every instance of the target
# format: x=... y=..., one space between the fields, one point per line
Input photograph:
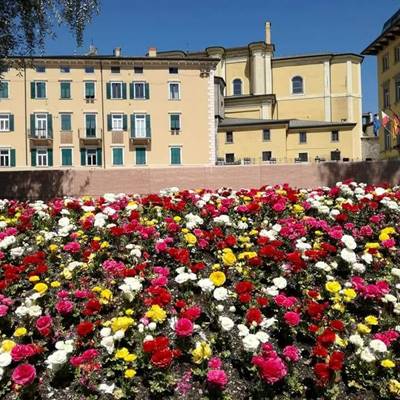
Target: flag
x=385 y=119
x=395 y=124
x=377 y=124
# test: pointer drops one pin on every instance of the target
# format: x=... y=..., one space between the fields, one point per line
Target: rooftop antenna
x=92 y=49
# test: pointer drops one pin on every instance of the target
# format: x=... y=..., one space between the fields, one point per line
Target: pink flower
x=72 y=247
x=292 y=318
x=389 y=243
x=43 y=325
x=271 y=369
x=3 y=310
x=291 y=353
x=24 y=374
x=184 y=327
x=65 y=307
x=217 y=377
x=215 y=363
x=21 y=351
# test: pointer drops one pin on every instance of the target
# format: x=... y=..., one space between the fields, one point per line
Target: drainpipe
x=26 y=116
x=103 y=144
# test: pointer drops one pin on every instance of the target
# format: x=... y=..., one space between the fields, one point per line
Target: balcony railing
x=40 y=137
x=89 y=136
x=140 y=138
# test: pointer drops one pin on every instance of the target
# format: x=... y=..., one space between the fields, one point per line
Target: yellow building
x=386 y=47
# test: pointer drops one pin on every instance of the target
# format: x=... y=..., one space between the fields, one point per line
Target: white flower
x=7 y=242
x=348 y=255
x=22 y=311
x=220 y=307
x=242 y=225
x=389 y=298
x=134 y=284
x=280 y=282
x=220 y=294
x=379 y=191
x=17 y=252
x=152 y=326
x=358 y=267
x=109 y=389
x=349 y=242
x=251 y=342
x=119 y=334
x=108 y=343
x=5 y=359
x=378 y=346
x=56 y=359
x=63 y=222
x=357 y=340
x=367 y=258
x=182 y=278
x=100 y=220
x=323 y=266
x=243 y=330
x=222 y=220
x=272 y=291
x=262 y=336
x=367 y=355
x=105 y=332
x=395 y=272
x=67 y=346
x=35 y=311
x=268 y=322
x=226 y=323
x=232 y=309
x=206 y=285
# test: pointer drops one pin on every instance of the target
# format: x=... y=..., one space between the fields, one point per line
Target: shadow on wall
x=42 y=184
x=373 y=172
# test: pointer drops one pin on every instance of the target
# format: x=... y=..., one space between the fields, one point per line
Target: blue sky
x=298 y=27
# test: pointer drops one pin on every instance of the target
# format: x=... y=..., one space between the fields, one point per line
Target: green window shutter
x=50 y=157
x=33 y=94
x=33 y=157
x=117 y=156
x=50 y=125
x=175 y=155
x=131 y=90
x=175 y=121
x=12 y=157
x=108 y=89
x=11 y=122
x=132 y=125
x=66 y=157
x=99 y=153
x=83 y=157
x=124 y=90
x=148 y=126
x=147 y=91
x=125 y=122
x=140 y=153
x=4 y=90
x=33 y=130
x=65 y=122
x=65 y=90
x=109 y=122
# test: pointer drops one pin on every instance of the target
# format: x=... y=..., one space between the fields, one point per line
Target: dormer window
x=297 y=85
x=237 y=87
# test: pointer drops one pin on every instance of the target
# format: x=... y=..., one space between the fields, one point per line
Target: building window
x=173 y=70
x=66 y=157
x=38 y=90
x=41 y=158
x=237 y=87
x=66 y=122
x=89 y=90
x=230 y=158
x=385 y=62
x=175 y=122
x=4 y=158
x=266 y=155
x=397 y=54
x=266 y=135
x=139 y=90
x=91 y=157
x=140 y=125
x=176 y=155
x=302 y=137
x=386 y=97
x=116 y=90
x=117 y=123
x=65 y=88
x=41 y=124
x=303 y=157
x=397 y=88
x=115 y=70
x=229 y=137
x=138 y=70
x=40 y=68
x=174 y=91
x=89 y=70
x=90 y=125
x=140 y=156
x=388 y=139
x=334 y=136
x=335 y=155
x=3 y=90
x=64 y=70
x=4 y=122
x=297 y=85
x=118 y=156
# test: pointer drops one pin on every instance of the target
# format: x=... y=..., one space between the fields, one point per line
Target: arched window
x=297 y=85
x=237 y=87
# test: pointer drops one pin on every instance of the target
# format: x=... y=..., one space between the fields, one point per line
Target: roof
x=292 y=123
x=391 y=29
x=317 y=55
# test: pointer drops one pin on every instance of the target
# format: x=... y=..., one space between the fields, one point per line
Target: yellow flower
x=97 y=238
x=362 y=328
x=333 y=286
x=185 y=230
x=7 y=345
x=228 y=257
x=341 y=342
x=130 y=357
x=394 y=386
x=349 y=294
x=371 y=320
x=20 y=332
x=129 y=311
x=218 y=278
x=122 y=353
x=201 y=352
x=55 y=284
x=40 y=288
x=247 y=254
x=121 y=323
x=190 y=238
x=177 y=218
x=129 y=373
x=388 y=363
x=97 y=289
x=385 y=233
x=104 y=245
x=106 y=294
x=372 y=245
x=297 y=208
x=34 y=278
x=67 y=273
x=156 y=313
x=53 y=248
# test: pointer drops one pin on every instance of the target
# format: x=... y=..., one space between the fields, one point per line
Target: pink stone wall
x=58 y=182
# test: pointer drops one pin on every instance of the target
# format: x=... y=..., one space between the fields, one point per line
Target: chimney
x=152 y=52
x=117 y=52
x=268 y=32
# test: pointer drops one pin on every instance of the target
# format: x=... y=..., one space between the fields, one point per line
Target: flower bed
x=274 y=293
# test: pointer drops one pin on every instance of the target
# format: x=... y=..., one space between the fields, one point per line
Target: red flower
x=84 y=328
x=162 y=358
x=320 y=351
x=24 y=374
x=337 y=325
x=245 y=298
x=43 y=325
x=159 y=343
x=327 y=337
x=191 y=313
x=254 y=315
x=243 y=287
x=184 y=327
x=322 y=372
x=92 y=307
x=292 y=318
x=336 y=361
x=262 y=301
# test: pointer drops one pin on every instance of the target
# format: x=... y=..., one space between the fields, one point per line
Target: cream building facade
x=386 y=48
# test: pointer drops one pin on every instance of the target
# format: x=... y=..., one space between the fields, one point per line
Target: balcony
x=140 y=138
x=40 y=137
x=89 y=137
